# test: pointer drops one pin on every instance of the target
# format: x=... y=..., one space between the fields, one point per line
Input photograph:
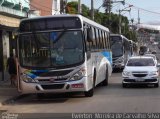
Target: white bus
x=121 y=50
x=62 y=53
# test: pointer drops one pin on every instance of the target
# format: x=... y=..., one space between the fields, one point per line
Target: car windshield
x=51 y=49
x=141 y=62
x=154 y=57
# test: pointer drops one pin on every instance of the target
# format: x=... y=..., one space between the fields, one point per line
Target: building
x=11 y=12
x=46 y=7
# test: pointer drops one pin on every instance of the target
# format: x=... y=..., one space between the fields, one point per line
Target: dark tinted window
x=50 y=24
x=141 y=62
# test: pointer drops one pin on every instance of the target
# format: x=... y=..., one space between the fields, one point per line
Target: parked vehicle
x=140 y=70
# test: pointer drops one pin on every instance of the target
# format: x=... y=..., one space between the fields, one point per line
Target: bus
x=62 y=53
x=121 y=50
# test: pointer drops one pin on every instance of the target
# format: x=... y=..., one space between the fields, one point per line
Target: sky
x=149 y=10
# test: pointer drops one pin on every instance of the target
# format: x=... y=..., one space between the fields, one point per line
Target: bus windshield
x=51 y=49
x=116 y=46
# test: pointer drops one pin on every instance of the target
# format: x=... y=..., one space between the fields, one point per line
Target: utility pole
x=109 y=17
x=119 y=22
x=63 y=4
x=138 y=17
x=79 y=7
x=121 y=18
x=109 y=2
x=92 y=9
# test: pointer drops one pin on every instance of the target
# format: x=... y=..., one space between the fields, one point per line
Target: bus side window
x=85 y=38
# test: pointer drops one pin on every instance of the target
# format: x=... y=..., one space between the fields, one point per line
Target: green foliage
x=72 y=8
x=109 y=20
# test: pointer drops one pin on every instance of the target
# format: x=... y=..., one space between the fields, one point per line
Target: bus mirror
x=89 y=35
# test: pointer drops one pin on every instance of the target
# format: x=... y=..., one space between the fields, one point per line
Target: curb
x=13 y=99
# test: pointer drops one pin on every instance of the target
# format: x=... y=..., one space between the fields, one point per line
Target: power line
x=153 y=12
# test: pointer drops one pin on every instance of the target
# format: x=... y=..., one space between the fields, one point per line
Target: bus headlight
x=81 y=73
x=28 y=79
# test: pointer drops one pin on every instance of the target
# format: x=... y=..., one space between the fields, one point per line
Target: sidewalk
x=6 y=90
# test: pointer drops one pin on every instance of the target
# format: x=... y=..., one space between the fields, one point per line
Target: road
x=112 y=98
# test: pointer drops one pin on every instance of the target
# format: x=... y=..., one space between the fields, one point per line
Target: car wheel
x=156 y=85
x=124 y=85
x=105 y=82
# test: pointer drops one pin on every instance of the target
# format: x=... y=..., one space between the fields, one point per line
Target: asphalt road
x=110 y=99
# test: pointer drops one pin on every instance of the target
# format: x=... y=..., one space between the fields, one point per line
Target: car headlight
x=81 y=73
x=153 y=73
x=27 y=79
x=126 y=73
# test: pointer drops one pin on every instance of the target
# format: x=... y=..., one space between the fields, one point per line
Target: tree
x=72 y=8
x=103 y=19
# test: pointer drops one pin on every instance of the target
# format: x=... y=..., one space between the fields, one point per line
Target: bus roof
x=119 y=35
x=82 y=18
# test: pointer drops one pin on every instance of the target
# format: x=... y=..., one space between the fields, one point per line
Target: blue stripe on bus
x=40 y=71
x=108 y=55
x=31 y=74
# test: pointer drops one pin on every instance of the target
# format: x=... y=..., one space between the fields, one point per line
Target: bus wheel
x=91 y=91
x=40 y=95
x=105 y=82
x=124 y=85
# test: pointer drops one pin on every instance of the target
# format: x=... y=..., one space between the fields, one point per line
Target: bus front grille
x=51 y=81
x=53 y=86
x=52 y=73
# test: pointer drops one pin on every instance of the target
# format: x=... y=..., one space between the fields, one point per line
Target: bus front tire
x=124 y=85
x=40 y=95
x=91 y=91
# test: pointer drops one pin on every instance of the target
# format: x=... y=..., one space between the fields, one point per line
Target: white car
x=140 y=70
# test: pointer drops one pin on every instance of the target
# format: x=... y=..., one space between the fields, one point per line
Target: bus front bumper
x=118 y=65
x=61 y=87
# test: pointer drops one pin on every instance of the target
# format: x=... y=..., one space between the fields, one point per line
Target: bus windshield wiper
x=62 y=33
